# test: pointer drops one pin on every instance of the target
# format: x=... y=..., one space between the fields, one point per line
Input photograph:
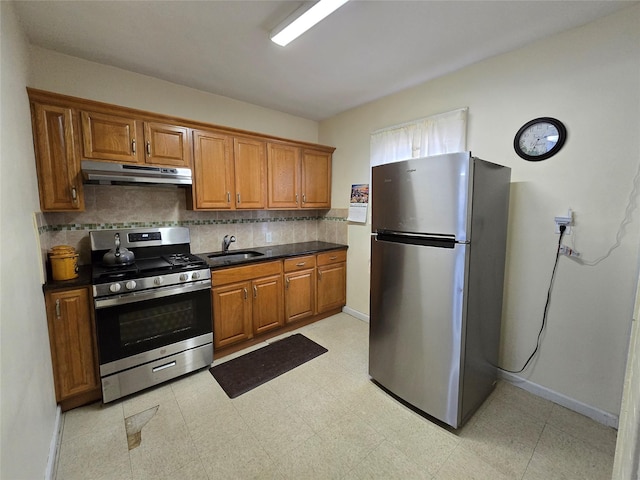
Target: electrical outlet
x=267 y=237
x=563 y=221
x=566 y=221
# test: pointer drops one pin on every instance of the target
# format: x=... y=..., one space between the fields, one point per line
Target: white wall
x=589 y=78
x=68 y=75
x=27 y=402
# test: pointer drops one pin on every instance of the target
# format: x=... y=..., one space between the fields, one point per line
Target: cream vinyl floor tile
x=327 y=420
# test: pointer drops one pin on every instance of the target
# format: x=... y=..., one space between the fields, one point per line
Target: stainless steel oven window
x=144 y=325
x=129 y=329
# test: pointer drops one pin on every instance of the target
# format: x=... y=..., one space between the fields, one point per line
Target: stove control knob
x=131 y=284
x=158 y=280
x=196 y=275
x=114 y=287
x=184 y=277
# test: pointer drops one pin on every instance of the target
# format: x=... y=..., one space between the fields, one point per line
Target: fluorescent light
x=298 y=23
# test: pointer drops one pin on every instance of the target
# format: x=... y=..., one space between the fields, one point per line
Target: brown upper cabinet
x=316 y=179
x=57 y=158
x=232 y=169
x=213 y=174
x=283 y=177
x=126 y=139
x=229 y=172
x=298 y=177
x=250 y=173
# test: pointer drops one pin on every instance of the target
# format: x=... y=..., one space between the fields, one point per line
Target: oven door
x=164 y=320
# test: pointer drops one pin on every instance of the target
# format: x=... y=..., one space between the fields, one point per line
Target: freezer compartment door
x=418 y=304
x=425 y=195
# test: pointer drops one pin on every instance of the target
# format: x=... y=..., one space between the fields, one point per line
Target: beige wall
x=589 y=78
x=60 y=73
x=27 y=400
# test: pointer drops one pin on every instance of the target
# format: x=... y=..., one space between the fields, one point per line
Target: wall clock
x=540 y=139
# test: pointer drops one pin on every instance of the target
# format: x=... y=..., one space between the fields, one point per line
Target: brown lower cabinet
x=267 y=304
x=265 y=298
x=332 y=280
x=300 y=287
x=73 y=346
x=246 y=301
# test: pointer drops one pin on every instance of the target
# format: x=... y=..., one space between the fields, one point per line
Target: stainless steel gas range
x=153 y=308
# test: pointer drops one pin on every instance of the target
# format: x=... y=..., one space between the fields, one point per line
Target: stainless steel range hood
x=115 y=173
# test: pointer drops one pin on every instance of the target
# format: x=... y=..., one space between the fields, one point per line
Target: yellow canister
x=64 y=262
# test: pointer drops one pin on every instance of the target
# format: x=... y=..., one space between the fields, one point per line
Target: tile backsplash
x=119 y=206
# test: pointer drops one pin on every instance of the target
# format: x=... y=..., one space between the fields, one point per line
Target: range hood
x=115 y=173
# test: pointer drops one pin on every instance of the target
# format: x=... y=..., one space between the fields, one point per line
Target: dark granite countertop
x=83 y=280
x=272 y=252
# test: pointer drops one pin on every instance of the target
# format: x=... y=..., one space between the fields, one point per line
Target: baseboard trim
x=54 y=447
x=355 y=313
x=600 y=416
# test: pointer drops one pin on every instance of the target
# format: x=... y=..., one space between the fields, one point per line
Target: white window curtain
x=442 y=133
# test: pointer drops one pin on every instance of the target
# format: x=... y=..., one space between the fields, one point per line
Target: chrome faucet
x=227 y=241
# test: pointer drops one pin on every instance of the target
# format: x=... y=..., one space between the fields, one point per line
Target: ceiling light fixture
x=303 y=19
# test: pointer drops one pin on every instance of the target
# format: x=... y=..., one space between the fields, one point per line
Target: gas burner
x=107 y=272
x=184 y=260
x=114 y=275
x=162 y=259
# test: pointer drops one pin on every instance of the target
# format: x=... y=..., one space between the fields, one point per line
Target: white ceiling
x=364 y=51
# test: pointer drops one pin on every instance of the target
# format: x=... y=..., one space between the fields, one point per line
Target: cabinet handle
x=304 y=198
x=287 y=282
x=74 y=194
x=245 y=293
x=332 y=258
x=149 y=149
x=58 y=313
x=228 y=197
x=133 y=146
x=255 y=291
x=319 y=274
x=301 y=264
x=296 y=198
x=238 y=197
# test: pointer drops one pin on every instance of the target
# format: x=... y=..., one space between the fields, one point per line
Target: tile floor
x=326 y=420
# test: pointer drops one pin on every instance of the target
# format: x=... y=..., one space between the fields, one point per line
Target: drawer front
x=299 y=263
x=334 y=256
x=242 y=274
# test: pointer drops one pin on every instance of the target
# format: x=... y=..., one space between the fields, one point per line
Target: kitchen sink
x=225 y=258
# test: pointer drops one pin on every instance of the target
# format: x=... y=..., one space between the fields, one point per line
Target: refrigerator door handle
x=416 y=235
x=441 y=241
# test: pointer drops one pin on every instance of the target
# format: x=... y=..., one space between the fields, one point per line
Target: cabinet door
x=299 y=294
x=231 y=314
x=250 y=170
x=331 y=286
x=109 y=137
x=72 y=343
x=316 y=179
x=283 y=176
x=166 y=144
x=213 y=170
x=57 y=159
x=268 y=309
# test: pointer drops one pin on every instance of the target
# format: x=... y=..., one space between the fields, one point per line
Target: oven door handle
x=152 y=294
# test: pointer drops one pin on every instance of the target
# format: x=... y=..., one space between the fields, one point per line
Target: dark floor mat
x=245 y=373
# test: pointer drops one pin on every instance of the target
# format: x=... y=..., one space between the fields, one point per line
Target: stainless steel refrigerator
x=439 y=228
